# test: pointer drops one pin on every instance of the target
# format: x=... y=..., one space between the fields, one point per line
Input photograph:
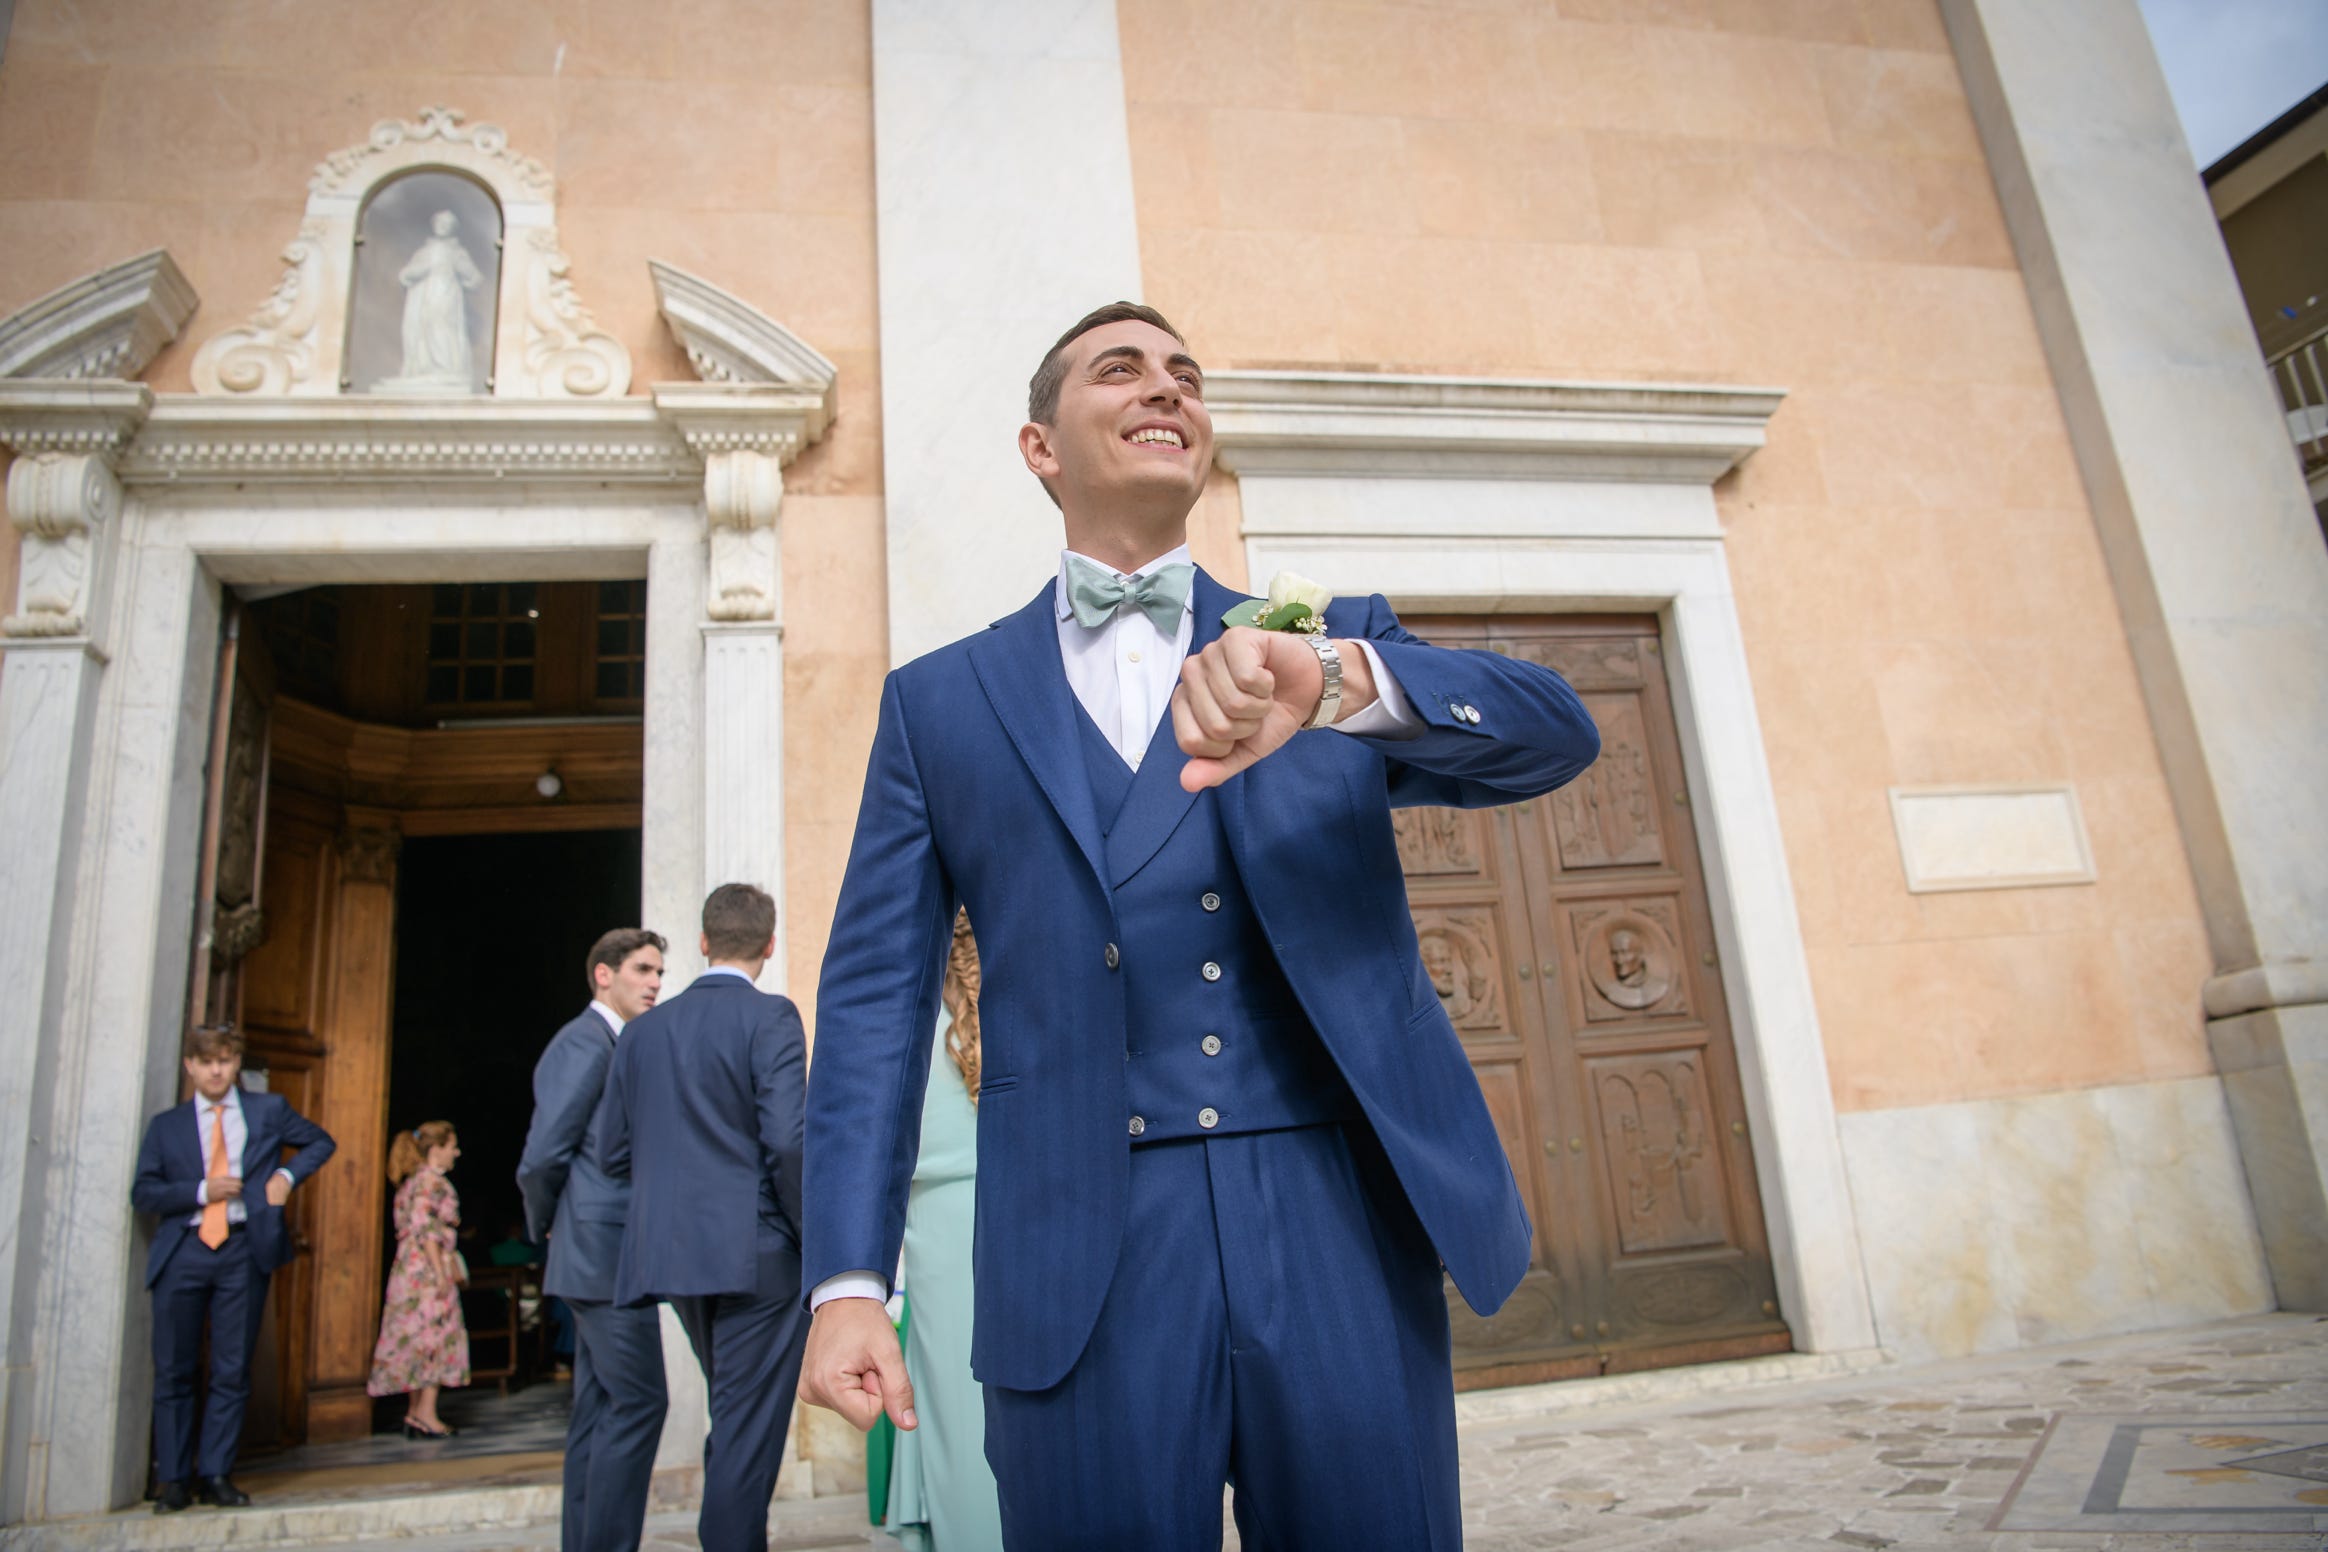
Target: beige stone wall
x=730 y=137
x=1764 y=191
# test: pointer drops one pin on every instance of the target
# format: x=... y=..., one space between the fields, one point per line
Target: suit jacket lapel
x=1017 y=662
x=1158 y=802
x=190 y=1137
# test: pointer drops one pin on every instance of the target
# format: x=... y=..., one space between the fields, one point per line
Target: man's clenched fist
x=1242 y=697
x=854 y=1366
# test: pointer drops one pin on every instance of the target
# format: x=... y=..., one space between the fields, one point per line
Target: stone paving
x=1917 y=1457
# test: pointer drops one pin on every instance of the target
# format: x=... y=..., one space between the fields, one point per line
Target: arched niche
x=542 y=343
x=427 y=272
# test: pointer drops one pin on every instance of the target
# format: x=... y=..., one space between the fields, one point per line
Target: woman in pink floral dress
x=423 y=1342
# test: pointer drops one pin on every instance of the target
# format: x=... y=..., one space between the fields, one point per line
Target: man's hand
x=221 y=1188
x=853 y=1364
x=1241 y=698
x=278 y=1189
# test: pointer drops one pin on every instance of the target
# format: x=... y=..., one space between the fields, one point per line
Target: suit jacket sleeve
x=313 y=1142
x=152 y=1190
x=614 y=1140
x=1532 y=733
x=780 y=1085
x=567 y=1083
x=877 y=1009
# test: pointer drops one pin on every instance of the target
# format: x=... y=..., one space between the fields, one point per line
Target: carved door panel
x=1465 y=886
x=1635 y=1157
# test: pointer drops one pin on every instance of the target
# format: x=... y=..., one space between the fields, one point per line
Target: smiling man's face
x=1131 y=434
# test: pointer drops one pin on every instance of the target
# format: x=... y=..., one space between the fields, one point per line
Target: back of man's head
x=738 y=921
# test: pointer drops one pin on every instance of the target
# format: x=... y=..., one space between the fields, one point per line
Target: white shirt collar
x=1066 y=610
x=614 y=1020
x=232 y=1101
x=710 y=970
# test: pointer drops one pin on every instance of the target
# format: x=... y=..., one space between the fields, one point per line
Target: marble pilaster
x=2210 y=538
x=1003 y=163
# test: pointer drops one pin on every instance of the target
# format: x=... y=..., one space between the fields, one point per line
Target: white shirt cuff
x=1390 y=716
x=288 y=1177
x=848 y=1285
x=202 y=1192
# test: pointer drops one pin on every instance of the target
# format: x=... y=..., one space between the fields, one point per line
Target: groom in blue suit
x=1227 y=1136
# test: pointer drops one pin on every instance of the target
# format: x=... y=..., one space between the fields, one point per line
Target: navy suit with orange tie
x=226 y=1285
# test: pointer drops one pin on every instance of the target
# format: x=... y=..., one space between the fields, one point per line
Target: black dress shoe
x=222 y=1492
x=170 y=1497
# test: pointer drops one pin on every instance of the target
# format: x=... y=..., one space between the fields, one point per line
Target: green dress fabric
x=941 y=1493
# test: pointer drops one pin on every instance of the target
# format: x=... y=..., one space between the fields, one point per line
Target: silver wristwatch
x=1330 y=703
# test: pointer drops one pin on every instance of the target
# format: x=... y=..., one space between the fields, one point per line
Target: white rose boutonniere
x=1295 y=603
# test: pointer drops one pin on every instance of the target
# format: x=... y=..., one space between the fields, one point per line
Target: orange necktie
x=213 y=1230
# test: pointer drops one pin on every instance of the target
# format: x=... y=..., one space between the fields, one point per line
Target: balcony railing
x=2300 y=369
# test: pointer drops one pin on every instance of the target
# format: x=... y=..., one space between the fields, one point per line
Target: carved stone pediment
x=731 y=341
x=109 y=324
x=545 y=344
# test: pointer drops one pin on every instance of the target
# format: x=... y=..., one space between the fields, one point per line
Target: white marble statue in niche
x=436 y=313
x=427 y=273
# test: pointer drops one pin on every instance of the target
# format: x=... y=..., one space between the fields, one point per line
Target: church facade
x=542 y=424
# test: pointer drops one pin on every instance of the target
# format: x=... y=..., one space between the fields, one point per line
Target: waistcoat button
x=1113 y=958
x=1211 y=901
x=1208 y=1118
x=1139 y=1125
x=1212 y=972
x=1211 y=1045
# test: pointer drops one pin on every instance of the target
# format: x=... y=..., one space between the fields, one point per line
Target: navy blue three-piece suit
x=702 y=1115
x=571 y=1201
x=192 y=1284
x=1227 y=1135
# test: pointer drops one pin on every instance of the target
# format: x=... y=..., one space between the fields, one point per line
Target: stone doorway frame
x=137 y=510
x=1500 y=496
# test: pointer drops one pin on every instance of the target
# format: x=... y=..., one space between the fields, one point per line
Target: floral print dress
x=422 y=1338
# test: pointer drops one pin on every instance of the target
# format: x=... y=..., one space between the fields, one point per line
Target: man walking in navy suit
x=703 y=1115
x=619 y=1399
x=213 y=1252
x=1227 y=1135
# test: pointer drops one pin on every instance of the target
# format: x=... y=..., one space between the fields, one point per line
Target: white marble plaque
x=1991 y=837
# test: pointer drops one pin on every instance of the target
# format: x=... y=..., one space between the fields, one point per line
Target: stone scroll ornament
x=567 y=354
x=275 y=351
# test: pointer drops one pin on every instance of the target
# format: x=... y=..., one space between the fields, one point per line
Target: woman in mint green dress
x=941 y=1494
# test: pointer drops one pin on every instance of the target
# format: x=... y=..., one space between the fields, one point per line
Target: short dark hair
x=1043 y=387
x=738 y=921
x=614 y=949
x=209 y=1040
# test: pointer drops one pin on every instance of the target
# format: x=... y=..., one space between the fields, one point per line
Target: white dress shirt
x=614 y=1020
x=1123 y=672
x=207 y=1117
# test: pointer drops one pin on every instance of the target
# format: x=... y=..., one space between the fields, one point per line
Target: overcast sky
x=2235 y=65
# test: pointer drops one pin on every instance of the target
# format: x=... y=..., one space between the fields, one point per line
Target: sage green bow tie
x=1095 y=593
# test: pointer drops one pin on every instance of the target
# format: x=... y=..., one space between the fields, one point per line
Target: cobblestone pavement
x=1917 y=1458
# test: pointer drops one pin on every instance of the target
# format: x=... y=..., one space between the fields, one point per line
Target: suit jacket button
x=1208 y=1118
x=1210 y=1045
x=1139 y=1125
x=1212 y=972
x=1211 y=901
x=1113 y=958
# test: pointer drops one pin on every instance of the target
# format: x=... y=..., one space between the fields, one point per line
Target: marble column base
x=2274 y=1063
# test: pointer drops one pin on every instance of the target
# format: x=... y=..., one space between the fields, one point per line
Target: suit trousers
x=617 y=1421
x=225 y=1289
x=749 y=1345
x=1275 y=1321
